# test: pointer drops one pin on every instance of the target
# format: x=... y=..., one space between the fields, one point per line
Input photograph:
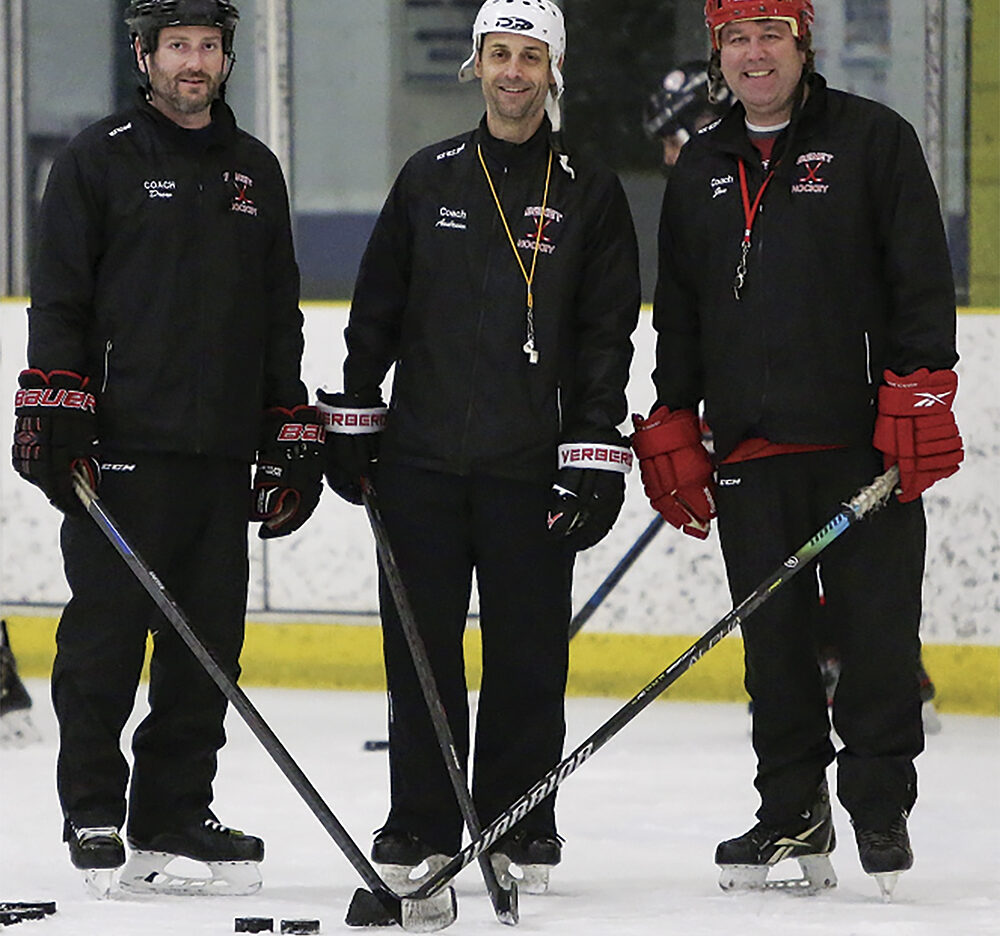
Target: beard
x=182 y=99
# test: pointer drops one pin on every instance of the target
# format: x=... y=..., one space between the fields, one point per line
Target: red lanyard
x=749 y=215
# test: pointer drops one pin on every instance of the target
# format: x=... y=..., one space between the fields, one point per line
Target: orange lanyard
x=529 y=278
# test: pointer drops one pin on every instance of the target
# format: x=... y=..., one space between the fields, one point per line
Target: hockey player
x=501 y=279
x=16 y=727
x=680 y=107
x=164 y=348
x=805 y=295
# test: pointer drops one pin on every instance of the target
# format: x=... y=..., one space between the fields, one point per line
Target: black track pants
x=442 y=527
x=187 y=517
x=872 y=578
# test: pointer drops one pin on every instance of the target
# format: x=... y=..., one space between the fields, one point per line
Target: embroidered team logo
x=540 y=229
x=241 y=185
x=813 y=166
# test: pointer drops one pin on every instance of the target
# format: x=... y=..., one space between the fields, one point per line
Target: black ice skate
x=746 y=861
x=885 y=853
x=230 y=856
x=16 y=726
x=405 y=861
x=525 y=858
x=928 y=711
x=98 y=852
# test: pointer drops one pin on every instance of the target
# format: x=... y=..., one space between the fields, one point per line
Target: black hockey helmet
x=680 y=99
x=145 y=19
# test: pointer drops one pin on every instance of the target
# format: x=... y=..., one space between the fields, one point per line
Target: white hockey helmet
x=540 y=19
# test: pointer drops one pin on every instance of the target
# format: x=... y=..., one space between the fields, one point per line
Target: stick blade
x=368 y=909
x=505 y=905
x=429 y=914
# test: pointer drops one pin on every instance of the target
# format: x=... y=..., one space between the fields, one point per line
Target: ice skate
x=885 y=854
x=176 y=863
x=745 y=861
x=404 y=861
x=525 y=859
x=98 y=852
x=16 y=727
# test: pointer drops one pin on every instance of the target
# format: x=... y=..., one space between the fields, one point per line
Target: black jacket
x=440 y=295
x=848 y=274
x=164 y=271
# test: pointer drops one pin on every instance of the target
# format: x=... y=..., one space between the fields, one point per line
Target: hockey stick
x=863 y=503
x=594 y=601
x=504 y=900
x=386 y=904
x=614 y=576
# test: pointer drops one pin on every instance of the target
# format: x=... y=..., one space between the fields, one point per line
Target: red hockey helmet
x=799 y=14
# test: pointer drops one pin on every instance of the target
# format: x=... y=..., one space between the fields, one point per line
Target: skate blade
x=100 y=882
x=887 y=881
x=17 y=730
x=147 y=873
x=405 y=879
x=817 y=875
x=429 y=914
x=530 y=878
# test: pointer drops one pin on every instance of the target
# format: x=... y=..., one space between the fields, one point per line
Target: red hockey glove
x=589 y=490
x=288 y=480
x=915 y=428
x=676 y=470
x=55 y=432
x=354 y=424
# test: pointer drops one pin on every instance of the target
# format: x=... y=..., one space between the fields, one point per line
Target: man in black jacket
x=805 y=297
x=163 y=358
x=501 y=281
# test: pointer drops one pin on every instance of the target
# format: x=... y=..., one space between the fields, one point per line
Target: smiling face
x=762 y=64
x=515 y=76
x=185 y=73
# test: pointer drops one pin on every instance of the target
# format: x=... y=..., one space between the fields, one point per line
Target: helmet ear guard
x=799 y=14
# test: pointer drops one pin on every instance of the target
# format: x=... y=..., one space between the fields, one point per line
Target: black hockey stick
x=382 y=904
x=614 y=576
x=865 y=502
x=504 y=900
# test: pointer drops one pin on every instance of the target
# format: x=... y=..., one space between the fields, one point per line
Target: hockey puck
x=255 y=924
x=376 y=745
x=299 y=926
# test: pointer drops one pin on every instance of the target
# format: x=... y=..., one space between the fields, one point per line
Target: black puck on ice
x=299 y=926
x=255 y=924
x=376 y=745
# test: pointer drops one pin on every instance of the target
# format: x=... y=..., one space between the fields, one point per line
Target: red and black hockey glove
x=354 y=424
x=676 y=470
x=589 y=490
x=55 y=433
x=916 y=429
x=288 y=480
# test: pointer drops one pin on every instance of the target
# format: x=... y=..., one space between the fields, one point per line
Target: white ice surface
x=641 y=821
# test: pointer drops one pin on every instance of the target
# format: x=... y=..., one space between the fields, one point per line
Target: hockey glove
x=588 y=490
x=288 y=480
x=915 y=428
x=354 y=423
x=55 y=432
x=676 y=470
